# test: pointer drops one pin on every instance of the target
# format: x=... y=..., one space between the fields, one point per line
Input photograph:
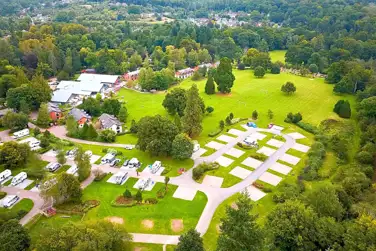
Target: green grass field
x=277 y=55
x=161 y=213
x=313 y=98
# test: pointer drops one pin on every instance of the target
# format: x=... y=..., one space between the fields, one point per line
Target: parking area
x=144 y=184
x=185 y=193
x=224 y=161
x=24 y=184
x=212 y=181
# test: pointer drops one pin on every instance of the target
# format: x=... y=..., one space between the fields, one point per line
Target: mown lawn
x=278 y=55
x=313 y=98
x=161 y=213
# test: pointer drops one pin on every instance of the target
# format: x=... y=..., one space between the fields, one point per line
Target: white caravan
x=9 y=200
x=109 y=157
x=155 y=167
x=5 y=175
x=19 y=178
x=72 y=170
x=120 y=177
x=20 y=134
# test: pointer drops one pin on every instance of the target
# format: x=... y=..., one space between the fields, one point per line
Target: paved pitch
x=281 y=168
x=112 y=180
x=240 y=172
x=235 y=132
x=215 y=145
x=24 y=184
x=266 y=151
x=275 y=143
x=198 y=153
x=224 y=161
x=296 y=135
x=270 y=178
x=185 y=193
x=226 y=138
x=300 y=147
x=251 y=162
x=212 y=181
x=254 y=193
x=290 y=159
x=235 y=152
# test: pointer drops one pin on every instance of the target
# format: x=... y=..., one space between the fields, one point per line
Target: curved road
x=215 y=195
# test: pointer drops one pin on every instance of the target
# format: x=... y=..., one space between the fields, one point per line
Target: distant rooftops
x=98 y=78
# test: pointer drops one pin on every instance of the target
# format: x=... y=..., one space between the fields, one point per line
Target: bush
x=343 y=109
x=315 y=161
x=2 y=194
x=151 y=201
x=275 y=69
x=215 y=133
x=259 y=72
x=364 y=157
x=293 y=118
x=308 y=127
x=202 y=168
x=161 y=193
x=258 y=156
x=241 y=66
x=127 y=194
x=138 y=196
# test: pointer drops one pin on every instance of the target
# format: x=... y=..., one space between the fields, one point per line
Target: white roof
x=61 y=96
x=98 y=78
x=66 y=89
x=133 y=161
x=131 y=73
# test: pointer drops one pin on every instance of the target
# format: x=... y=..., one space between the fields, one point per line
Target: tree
x=209 y=109
x=15 y=121
x=192 y=118
x=239 y=230
x=361 y=235
x=111 y=106
x=182 y=147
x=13 y=155
x=60 y=157
x=88 y=235
x=221 y=124
x=254 y=115
x=134 y=128
x=43 y=119
x=65 y=189
x=127 y=194
x=83 y=164
x=92 y=106
x=156 y=134
x=324 y=200
x=288 y=88
x=313 y=68
x=13 y=236
x=209 y=86
x=71 y=125
x=196 y=76
x=138 y=196
x=270 y=114
x=166 y=180
x=24 y=107
x=292 y=226
x=275 y=69
x=107 y=135
x=175 y=101
x=190 y=241
x=259 y=72
x=343 y=109
x=123 y=114
x=223 y=76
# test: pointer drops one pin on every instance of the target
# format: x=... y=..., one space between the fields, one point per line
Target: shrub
x=364 y=157
x=202 y=168
x=314 y=162
x=258 y=156
x=215 y=133
x=151 y=201
x=161 y=193
x=2 y=194
x=343 y=109
x=259 y=72
x=254 y=115
x=127 y=194
x=275 y=69
x=241 y=66
x=138 y=196
x=308 y=127
x=288 y=88
x=293 y=118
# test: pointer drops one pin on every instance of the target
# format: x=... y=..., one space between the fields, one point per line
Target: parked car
x=115 y=162
x=52 y=167
x=126 y=162
x=128 y=147
x=10 y=200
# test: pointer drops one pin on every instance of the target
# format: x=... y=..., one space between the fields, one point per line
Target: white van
x=155 y=167
x=5 y=175
x=72 y=170
x=120 y=177
x=9 y=200
x=19 y=178
x=20 y=134
x=109 y=157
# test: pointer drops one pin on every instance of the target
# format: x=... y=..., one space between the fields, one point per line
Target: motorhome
x=4 y=175
x=155 y=167
x=72 y=170
x=52 y=167
x=134 y=163
x=144 y=183
x=108 y=158
x=72 y=153
x=10 y=200
x=20 y=134
x=120 y=177
x=250 y=141
x=89 y=153
x=19 y=178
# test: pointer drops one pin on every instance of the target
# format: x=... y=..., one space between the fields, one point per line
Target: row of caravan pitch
x=7 y=174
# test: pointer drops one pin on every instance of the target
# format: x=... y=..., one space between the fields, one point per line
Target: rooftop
x=79 y=114
x=98 y=78
x=108 y=120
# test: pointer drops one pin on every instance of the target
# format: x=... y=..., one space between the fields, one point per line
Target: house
x=54 y=111
x=185 y=73
x=107 y=80
x=108 y=121
x=80 y=116
x=132 y=75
